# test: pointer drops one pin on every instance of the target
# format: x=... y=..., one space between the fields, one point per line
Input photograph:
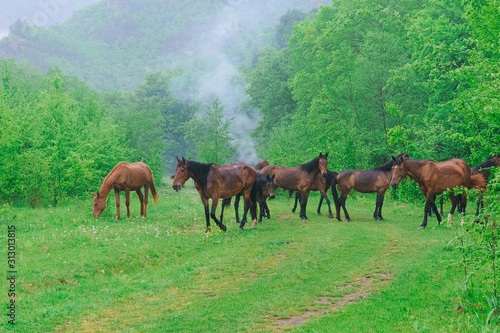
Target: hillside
x=113 y=44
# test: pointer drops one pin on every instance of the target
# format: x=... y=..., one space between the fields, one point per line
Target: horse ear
x=326 y=155
x=273 y=177
x=178 y=160
x=96 y=195
x=184 y=160
x=393 y=158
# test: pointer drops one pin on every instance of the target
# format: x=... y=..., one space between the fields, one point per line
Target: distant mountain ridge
x=113 y=44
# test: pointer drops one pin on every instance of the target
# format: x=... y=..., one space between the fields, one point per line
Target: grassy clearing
x=163 y=273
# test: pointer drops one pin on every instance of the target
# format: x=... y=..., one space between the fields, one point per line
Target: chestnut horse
x=126 y=177
x=300 y=178
x=434 y=178
x=376 y=180
x=484 y=169
x=218 y=181
x=322 y=184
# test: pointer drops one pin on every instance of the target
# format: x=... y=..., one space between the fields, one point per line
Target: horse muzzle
x=272 y=196
x=177 y=188
x=394 y=185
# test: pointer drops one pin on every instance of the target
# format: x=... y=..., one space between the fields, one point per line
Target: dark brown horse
x=299 y=178
x=322 y=184
x=376 y=180
x=434 y=178
x=485 y=169
x=218 y=182
x=126 y=177
x=264 y=187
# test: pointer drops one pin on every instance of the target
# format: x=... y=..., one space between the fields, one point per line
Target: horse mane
x=310 y=166
x=106 y=180
x=385 y=168
x=486 y=164
x=200 y=170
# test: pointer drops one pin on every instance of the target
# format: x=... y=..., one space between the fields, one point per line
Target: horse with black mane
x=218 y=181
x=434 y=178
x=322 y=184
x=299 y=178
x=376 y=180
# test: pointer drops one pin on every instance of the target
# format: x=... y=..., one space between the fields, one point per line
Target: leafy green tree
x=210 y=136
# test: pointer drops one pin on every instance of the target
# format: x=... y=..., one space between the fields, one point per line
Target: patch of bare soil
x=333 y=305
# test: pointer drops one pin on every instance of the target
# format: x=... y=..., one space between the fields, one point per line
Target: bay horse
x=299 y=178
x=218 y=182
x=434 y=178
x=264 y=187
x=376 y=180
x=322 y=184
x=126 y=177
x=484 y=169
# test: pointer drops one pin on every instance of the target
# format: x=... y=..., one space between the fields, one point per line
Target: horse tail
x=153 y=189
x=478 y=182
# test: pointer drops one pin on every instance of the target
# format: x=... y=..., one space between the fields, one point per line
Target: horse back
x=130 y=175
x=226 y=181
x=364 y=181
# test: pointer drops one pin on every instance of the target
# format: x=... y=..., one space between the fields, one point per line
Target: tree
x=210 y=136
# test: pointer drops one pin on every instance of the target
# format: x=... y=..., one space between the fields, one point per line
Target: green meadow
x=164 y=274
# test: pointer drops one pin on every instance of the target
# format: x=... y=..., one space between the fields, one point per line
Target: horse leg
x=342 y=203
x=204 y=200
x=377 y=203
x=426 y=212
x=236 y=205
x=215 y=201
x=296 y=199
x=146 y=191
x=127 y=202
x=480 y=204
x=267 y=214
x=303 y=204
x=380 y=200
x=441 y=200
x=432 y=205
x=320 y=203
x=223 y=205
x=141 y=200
x=324 y=195
x=117 y=197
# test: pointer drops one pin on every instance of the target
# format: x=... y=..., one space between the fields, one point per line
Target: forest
x=362 y=80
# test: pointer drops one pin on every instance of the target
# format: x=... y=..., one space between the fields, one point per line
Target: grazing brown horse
x=126 y=177
x=300 y=178
x=434 y=178
x=376 y=180
x=322 y=184
x=218 y=182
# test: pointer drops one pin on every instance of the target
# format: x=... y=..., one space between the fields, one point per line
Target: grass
x=161 y=274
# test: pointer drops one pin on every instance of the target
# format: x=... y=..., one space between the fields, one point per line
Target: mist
x=205 y=56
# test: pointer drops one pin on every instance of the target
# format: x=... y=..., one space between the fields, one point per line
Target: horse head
x=181 y=174
x=398 y=169
x=495 y=160
x=270 y=186
x=323 y=163
x=99 y=205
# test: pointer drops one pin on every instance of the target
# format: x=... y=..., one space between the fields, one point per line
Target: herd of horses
x=257 y=183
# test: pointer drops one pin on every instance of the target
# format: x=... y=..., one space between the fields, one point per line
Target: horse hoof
x=422 y=227
x=293 y=210
x=319 y=214
x=305 y=218
x=240 y=228
x=377 y=219
x=330 y=216
x=266 y=217
x=349 y=220
x=381 y=219
x=223 y=228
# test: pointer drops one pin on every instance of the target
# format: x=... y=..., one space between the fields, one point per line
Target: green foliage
x=210 y=136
